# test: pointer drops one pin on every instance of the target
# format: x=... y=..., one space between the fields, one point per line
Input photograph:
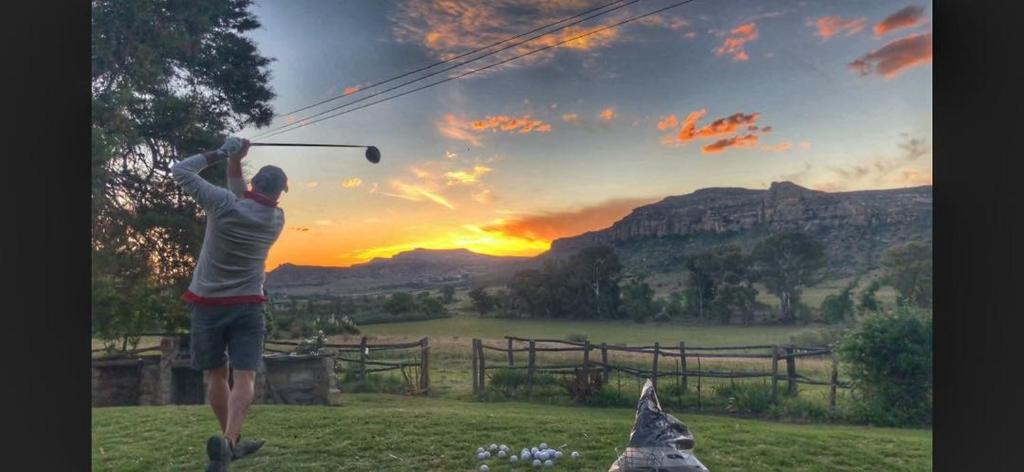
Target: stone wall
x=168 y=379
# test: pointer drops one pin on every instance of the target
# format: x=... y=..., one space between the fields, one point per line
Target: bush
x=577 y=337
x=838 y=307
x=889 y=360
x=351 y=382
x=745 y=397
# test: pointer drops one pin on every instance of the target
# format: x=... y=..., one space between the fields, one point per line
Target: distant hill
x=419 y=269
x=855 y=227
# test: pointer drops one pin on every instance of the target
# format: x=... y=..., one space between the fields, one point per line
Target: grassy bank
x=394 y=433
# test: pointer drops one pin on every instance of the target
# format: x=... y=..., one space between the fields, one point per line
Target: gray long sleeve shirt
x=240 y=229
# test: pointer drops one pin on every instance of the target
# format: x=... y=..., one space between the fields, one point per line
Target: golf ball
x=558 y=454
x=575 y=455
x=536 y=463
x=513 y=459
x=549 y=463
x=479 y=450
x=487 y=455
x=492 y=447
x=484 y=468
x=502 y=453
x=533 y=450
x=543 y=445
x=503 y=447
x=480 y=456
x=527 y=456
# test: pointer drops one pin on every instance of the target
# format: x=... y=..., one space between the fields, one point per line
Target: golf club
x=372 y=153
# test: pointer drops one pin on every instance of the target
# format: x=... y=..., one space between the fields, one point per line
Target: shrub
x=577 y=337
x=889 y=359
x=746 y=397
x=838 y=307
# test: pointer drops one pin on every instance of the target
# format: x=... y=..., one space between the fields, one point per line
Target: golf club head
x=373 y=154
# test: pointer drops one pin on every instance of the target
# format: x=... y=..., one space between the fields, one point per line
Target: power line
x=446 y=69
x=307 y=123
x=460 y=56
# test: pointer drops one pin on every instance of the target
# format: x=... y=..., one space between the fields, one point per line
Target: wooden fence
x=658 y=352
x=415 y=373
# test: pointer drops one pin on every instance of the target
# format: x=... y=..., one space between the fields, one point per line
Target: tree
x=593 y=276
x=483 y=303
x=733 y=299
x=838 y=307
x=400 y=303
x=447 y=294
x=169 y=78
x=638 y=301
x=712 y=269
x=785 y=263
x=908 y=269
x=889 y=358
x=869 y=303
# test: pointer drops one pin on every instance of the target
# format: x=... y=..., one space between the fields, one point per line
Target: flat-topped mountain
x=855 y=227
x=410 y=270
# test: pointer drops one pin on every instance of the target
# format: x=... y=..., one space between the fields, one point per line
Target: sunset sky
x=830 y=95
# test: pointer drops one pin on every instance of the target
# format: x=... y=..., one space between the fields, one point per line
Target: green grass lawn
x=470 y=326
x=395 y=433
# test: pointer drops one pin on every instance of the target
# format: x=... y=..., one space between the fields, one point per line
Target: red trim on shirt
x=190 y=297
x=261 y=199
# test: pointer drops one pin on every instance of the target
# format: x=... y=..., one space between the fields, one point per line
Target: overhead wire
x=267 y=133
x=460 y=56
x=392 y=97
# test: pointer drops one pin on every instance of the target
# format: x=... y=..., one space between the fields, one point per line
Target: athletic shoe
x=245 y=447
x=220 y=452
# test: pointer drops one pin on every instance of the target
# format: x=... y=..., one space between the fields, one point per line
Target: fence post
x=586 y=363
x=480 y=349
x=362 y=358
x=604 y=363
x=425 y=365
x=479 y=346
x=775 y=372
x=832 y=386
x=654 y=368
x=531 y=363
x=476 y=372
x=790 y=371
x=511 y=360
x=682 y=364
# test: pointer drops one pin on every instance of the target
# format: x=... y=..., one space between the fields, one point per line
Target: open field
x=627 y=332
x=393 y=433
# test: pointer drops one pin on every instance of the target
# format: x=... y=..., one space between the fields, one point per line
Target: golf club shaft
x=308 y=145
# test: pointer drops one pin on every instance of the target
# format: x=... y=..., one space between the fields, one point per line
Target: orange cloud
x=461 y=129
x=829 y=26
x=550 y=226
x=745 y=141
x=608 y=114
x=908 y=17
x=667 y=122
x=417 y=193
x=896 y=57
x=805 y=144
x=783 y=146
x=352 y=183
x=719 y=127
x=350 y=90
x=571 y=118
x=312 y=184
x=735 y=42
x=448 y=28
x=467 y=176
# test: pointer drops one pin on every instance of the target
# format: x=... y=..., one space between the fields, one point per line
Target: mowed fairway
x=393 y=433
x=627 y=332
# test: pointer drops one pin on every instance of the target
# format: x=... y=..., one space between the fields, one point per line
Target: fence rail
x=778 y=354
x=415 y=373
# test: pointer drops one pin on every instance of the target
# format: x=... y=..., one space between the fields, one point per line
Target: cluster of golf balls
x=541 y=455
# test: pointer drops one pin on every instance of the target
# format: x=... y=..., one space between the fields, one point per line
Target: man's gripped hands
x=234 y=148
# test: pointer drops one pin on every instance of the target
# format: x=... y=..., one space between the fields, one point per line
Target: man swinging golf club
x=226 y=293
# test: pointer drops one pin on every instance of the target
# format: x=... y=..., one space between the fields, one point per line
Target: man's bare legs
x=244 y=384
x=231 y=405
x=218 y=394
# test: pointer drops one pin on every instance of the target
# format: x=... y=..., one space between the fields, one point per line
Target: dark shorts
x=220 y=332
